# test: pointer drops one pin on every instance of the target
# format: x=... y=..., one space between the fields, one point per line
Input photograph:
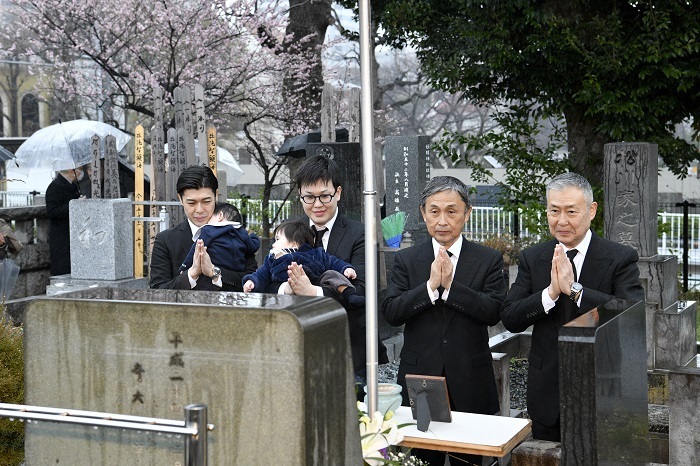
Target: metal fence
x=195 y=427
x=16 y=198
x=252 y=210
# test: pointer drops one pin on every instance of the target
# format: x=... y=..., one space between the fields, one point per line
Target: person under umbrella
x=64 y=188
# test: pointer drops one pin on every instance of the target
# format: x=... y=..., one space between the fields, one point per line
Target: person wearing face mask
x=67 y=185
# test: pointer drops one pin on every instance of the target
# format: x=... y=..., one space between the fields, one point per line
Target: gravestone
x=274 y=371
x=603 y=386
x=102 y=247
x=348 y=156
x=407 y=160
x=102 y=239
x=631 y=207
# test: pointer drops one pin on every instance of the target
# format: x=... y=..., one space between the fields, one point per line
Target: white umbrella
x=225 y=163
x=64 y=145
x=228 y=164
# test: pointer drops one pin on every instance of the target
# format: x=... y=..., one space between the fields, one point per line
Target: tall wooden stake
x=138 y=196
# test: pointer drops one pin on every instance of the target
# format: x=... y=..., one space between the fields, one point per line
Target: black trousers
x=543 y=432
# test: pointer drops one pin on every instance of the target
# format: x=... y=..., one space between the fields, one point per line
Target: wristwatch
x=576 y=289
x=216 y=274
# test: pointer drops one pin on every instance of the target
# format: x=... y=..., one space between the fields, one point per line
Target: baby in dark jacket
x=226 y=240
x=294 y=241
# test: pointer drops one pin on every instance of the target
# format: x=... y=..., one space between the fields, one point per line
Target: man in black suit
x=447 y=291
x=560 y=280
x=320 y=189
x=196 y=190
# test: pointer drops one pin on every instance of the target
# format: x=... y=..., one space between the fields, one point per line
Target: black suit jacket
x=449 y=337
x=609 y=271
x=169 y=250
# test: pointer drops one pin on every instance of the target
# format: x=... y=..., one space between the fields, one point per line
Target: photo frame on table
x=429 y=399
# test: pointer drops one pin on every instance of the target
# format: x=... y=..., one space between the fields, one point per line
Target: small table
x=476 y=434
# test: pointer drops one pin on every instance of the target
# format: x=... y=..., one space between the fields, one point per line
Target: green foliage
x=11 y=391
x=527 y=147
x=615 y=71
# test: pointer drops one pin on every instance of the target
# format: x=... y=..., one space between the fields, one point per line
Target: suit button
x=444 y=340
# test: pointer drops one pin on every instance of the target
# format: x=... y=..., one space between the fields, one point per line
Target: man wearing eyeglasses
x=320 y=188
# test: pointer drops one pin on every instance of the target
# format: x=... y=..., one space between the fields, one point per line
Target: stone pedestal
x=684 y=412
x=274 y=371
x=59 y=284
x=675 y=335
x=102 y=239
x=603 y=386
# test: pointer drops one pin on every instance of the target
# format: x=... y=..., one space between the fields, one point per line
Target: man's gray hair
x=571 y=180
x=445 y=183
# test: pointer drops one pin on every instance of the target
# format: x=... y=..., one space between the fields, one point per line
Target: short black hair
x=197 y=177
x=297 y=231
x=318 y=168
x=230 y=211
x=445 y=183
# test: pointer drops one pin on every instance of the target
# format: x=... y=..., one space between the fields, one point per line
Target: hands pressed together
x=201 y=262
x=562 y=274
x=441 y=271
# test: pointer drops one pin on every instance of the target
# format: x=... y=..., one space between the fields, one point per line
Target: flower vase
x=388 y=397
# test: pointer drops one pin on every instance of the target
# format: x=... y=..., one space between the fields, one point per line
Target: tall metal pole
x=370 y=201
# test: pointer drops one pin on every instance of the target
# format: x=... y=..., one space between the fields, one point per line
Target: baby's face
x=281 y=242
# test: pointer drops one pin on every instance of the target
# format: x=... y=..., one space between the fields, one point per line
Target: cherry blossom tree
x=114 y=53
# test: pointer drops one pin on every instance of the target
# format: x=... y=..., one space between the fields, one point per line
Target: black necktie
x=571 y=253
x=318 y=242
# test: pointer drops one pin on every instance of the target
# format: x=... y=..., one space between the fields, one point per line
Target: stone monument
x=274 y=371
x=631 y=193
x=407 y=160
x=102 y=246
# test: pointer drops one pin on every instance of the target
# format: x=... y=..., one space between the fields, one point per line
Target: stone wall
x=32 y=229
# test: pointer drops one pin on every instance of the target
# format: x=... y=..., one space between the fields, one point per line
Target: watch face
x=576 y=287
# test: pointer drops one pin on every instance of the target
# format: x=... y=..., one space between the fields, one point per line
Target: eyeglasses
x=324 y=198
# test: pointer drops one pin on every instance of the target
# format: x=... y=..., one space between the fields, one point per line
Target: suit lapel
x=597 y=259
x=422 y=261
x=336 y=235
x=185 y=238
x=467 y=267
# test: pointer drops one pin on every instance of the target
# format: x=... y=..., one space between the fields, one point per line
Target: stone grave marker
x=101 y=239
x=274 y=371
x=603 y=386
x=407 y=160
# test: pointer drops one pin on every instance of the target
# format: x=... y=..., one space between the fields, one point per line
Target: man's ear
x=339 y=190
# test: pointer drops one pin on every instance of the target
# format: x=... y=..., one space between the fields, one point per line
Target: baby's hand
x=288 y=289
x=350 y=273
x=248 y=286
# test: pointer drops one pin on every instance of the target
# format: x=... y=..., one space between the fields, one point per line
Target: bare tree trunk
x=585 y=147
x=307 y=18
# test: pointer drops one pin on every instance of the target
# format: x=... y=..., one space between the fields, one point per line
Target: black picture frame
x=435 y=392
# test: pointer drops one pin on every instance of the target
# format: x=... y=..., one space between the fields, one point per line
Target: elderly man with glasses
x=320 y=188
